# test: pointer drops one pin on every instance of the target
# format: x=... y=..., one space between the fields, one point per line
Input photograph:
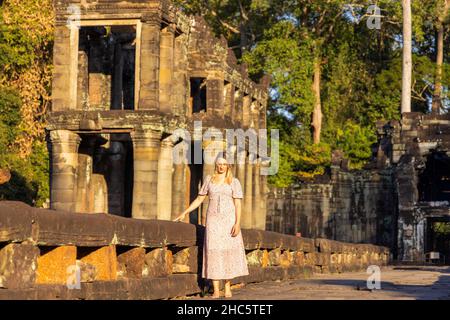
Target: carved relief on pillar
x=146 y=147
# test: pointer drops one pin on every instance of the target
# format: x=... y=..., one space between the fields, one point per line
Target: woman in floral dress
x=223 y=248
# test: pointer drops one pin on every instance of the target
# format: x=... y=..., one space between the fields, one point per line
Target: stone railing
x=47 y=254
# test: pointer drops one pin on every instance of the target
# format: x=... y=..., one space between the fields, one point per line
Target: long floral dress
x=223 y=255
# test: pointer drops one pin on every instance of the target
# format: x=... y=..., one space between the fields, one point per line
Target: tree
x=407 y=56
x=442 y=17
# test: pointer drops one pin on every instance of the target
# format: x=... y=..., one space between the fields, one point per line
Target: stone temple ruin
x=127 y=74
x=396 y=201
x=417 y=150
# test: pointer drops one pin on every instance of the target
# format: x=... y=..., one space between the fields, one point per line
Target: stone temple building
x=397 y=200
x=127 y=75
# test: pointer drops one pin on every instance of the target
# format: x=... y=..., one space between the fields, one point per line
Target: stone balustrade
x=42 y=251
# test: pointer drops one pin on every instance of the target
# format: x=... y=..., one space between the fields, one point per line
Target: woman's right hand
x=180 y=217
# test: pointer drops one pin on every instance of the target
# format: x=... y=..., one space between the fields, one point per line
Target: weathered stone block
x=53 y=266
x=310 y=259
x=274 y=257
x=104 y=260
x=286 y=259
x=308 y=245
x=186 y=261
x=88 y=272
x=299 y=258
x=15 y=224
x=158 y=263
x=132 y=263
x=18 y=263
x=258 y=258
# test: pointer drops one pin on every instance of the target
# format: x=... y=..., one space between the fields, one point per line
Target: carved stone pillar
x=85 y=197
x=240 y=166
x=264 y=188
x=65 y=63
x=149 y=66
x=146 y=146
x=64 y=167
x=247 y=212
x=180 y=92
x=166 y=69
x=178 y=189
x=215 y=98
x=165 y=172
x=257 y=222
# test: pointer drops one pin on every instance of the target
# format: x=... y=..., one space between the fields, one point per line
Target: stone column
x=65 y=63
x=165 y=172
x=257 y=219
x=178 y=189
x=238 y=113
x=146 y=146
x=229 y=99
x=64 y=167
x=264 y=188
x=180 y=92
x=254 y=123
x=149 y=66
x=240 y=167
x=85 y=199
x=246 y=111
x=166 y=69
x=247 y=211
x=214 y=97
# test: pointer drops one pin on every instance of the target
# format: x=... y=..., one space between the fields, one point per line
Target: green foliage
x=9 y=117
x=24 y=35
x=355 y=141
x=441 y=228
x=29 y=176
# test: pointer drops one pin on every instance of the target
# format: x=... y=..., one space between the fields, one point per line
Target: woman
x=223 y=247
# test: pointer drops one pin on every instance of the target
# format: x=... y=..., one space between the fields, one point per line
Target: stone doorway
x=105 y=174
x=434 y=181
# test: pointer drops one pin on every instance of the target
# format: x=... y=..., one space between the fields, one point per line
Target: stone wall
x=119 y=258
x=356 y=207
x=417 y=149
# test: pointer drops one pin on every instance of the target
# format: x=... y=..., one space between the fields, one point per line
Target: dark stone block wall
x=350 y=206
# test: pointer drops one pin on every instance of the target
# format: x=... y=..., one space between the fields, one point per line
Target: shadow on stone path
x=397 y=283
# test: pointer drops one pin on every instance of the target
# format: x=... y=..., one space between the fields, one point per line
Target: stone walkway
x=397 y=283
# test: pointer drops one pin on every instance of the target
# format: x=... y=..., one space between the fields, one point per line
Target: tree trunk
x=437 y=103
x=407 y=56
x=317 y=112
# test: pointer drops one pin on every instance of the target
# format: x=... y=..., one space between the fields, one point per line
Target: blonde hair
x=228 y=175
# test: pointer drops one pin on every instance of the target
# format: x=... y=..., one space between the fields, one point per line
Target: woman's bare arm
x=194 y=205
x=237 y=225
